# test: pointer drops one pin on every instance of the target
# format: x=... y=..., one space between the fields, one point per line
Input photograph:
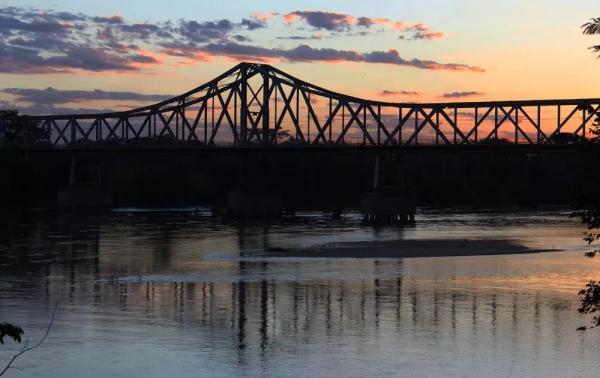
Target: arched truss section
x=257 y=104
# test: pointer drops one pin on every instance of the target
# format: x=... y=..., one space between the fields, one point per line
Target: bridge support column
x=254 y=196
x=376 y=173
x=85 y=189
x=243 y=105
x=265 y=111
x=385 y=205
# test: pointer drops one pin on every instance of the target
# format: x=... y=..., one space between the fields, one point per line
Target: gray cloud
x=53 y=101
x=387 y=92
x=50 y=42
x=34 y=41
x=322 y=20
x=108 y=20
x=205 y=31
x=57 y=96
x=365 y=22
x=353 y=26
x=16 y=59
x=49 y=109
x=253 y=24
x=461 y=94
x=9 y=25
x=428 y=35
x=302 y=37
x=306 y=53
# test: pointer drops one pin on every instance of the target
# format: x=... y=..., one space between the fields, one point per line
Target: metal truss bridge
x=259 y=105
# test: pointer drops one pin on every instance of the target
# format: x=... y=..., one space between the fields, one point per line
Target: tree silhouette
x=19 y=131
x=590 y=294
x=14 y=332
x=590 y=28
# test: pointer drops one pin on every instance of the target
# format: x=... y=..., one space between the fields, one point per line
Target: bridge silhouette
x=258 y=105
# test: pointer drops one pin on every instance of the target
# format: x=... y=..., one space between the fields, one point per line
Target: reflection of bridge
x=256 y=104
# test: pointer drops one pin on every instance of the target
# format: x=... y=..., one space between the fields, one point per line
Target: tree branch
x=27 y=348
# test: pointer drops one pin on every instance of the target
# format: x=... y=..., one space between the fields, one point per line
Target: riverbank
x=409 y=249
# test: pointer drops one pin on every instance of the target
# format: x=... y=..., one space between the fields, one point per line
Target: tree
x=18 y=131
x=12 y=331
x=590 y=294
x=590 y=28
x=15 y=332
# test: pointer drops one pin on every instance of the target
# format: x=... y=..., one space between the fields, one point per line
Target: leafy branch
x=16 y=333
x=591 y=28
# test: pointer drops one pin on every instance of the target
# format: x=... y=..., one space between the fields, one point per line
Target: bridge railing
x=254 y=104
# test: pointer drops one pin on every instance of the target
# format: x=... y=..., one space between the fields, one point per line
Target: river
x=164 y=292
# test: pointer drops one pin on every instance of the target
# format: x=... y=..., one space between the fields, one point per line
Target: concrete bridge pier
x=85 y=189
x=253 y=202
x=386 y=205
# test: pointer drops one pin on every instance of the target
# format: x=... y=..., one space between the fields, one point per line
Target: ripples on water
x=154 y=293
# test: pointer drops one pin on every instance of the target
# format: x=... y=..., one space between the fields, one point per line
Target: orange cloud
x=264 y=16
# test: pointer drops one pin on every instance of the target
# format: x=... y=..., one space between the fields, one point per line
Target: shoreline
x=409 y=249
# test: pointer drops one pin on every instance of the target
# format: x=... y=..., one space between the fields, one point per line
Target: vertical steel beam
x=400 y=124
x=437 y=123
x=364 y=142
x=416 y=128
x=308 y=106
x=476 y=124
x=296 y=119
x=343 y=121
x=177 y=125
x=275 y=110
x=73 y=131
x=379 y=125
x=243 y=105
x=265 y=110
x=329 y=117
x=558 y=126
x=539 y=125
x=496 y=122
x=516 y=124
x=455 y=124
x=583 y=123
x=206 y=122
x=212 y=119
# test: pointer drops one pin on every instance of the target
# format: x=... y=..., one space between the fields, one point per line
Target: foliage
x=12 y=331
x=590 y=295
x=285 y=137
x=16 y=332
x=18 y=131
x=593 y=27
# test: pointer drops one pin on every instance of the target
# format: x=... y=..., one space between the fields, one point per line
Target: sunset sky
x=117 y=54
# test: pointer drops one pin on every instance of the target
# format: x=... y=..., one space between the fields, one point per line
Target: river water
x=168 y=293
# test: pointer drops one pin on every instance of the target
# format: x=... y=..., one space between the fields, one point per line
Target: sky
x=62 y=56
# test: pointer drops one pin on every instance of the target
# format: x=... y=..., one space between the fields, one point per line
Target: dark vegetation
x=17 y=132
x=15 y=333
x=590 y=295
x=11 y=331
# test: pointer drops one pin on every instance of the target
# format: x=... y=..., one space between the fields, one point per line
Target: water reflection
x=187 y=296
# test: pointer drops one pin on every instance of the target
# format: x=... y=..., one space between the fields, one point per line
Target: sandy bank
x=409 y=248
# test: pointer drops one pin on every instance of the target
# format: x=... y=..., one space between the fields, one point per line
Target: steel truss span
x=257 y=104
